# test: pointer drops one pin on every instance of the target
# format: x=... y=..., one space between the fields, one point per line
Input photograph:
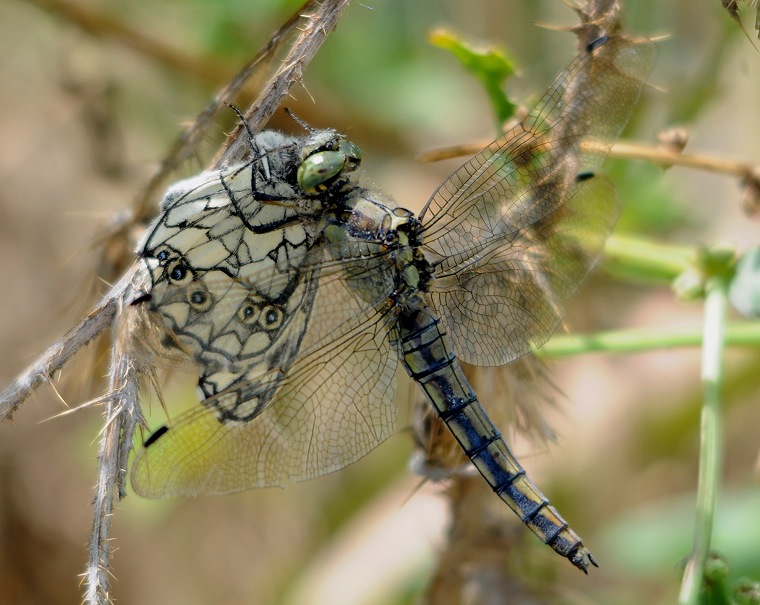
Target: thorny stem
x=710 y=442
x=100 y=318
x=319 y=24
x=185 y=145
x=121 y=417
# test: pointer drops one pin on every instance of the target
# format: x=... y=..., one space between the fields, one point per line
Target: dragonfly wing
x=515 y=295
x=330 y=406
x=512 y=233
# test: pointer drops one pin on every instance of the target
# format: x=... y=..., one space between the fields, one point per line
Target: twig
x=122 y=414
x=187 y=142
x=663 y=155
x=667 y=157
x=100 y=318
x=319 y=24
x=628 y=150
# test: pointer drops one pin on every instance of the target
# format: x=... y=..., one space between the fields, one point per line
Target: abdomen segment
x=429 y=361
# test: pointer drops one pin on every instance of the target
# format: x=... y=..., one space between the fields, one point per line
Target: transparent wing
x=513 y=232
x=328 y=408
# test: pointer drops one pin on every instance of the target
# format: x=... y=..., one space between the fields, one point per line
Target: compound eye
x=271 y=317
x=318 y=169
x=179 y=273
x=351 y=153
x=200 y=300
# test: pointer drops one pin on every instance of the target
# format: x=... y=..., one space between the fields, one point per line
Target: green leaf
x=489 y=65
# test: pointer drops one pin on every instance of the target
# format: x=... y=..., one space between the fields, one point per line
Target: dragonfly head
x=326 y=157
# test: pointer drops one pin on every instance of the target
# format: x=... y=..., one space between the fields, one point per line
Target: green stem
x=741 y=333
x=637 y=258
x=710 y=442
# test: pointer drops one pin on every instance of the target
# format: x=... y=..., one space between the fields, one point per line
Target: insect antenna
x=256 y=153
x=299 y=121
x=245 y=124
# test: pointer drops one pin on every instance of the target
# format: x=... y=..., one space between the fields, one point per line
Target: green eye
x=351 y=153
x=317 y=169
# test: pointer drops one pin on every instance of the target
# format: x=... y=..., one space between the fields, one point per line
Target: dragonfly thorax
x=367 y=224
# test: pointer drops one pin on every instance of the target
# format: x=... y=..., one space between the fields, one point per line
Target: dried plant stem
x=666 y=157
x=321 y=19
x=122 y=414
x=100 y=318
x=625 y=150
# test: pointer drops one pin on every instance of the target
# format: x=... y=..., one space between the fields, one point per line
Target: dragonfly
x=298 y=292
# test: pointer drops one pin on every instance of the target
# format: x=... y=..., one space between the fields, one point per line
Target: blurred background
x=83 y=121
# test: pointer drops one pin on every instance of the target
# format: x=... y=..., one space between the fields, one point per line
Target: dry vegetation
x=90 y=108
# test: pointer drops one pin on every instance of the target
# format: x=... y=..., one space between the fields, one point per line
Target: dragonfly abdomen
x=430 y=361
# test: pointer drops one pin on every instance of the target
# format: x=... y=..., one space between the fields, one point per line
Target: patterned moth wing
x=215 y=231
x=295 y=366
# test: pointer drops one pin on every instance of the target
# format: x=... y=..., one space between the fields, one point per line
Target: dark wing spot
x=272 y=317
x=597 y=43
x=178 y=273
x=247 y=314
x=142 y=298
x=156 y=435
